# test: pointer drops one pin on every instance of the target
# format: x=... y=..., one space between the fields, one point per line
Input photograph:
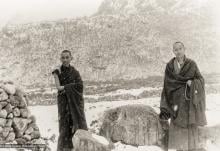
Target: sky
x=23 y=11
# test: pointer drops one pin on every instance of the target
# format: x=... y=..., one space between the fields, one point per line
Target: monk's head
x=66 y=57
x=179 y=49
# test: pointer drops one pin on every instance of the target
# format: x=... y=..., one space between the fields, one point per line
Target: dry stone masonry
x=17 y=125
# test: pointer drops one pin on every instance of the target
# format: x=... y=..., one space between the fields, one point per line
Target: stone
x=1 y=129
x=34 y=126
x=27 y=137
x=20 y=125
x=86 y=141
x=20 y=140
x=35 y=135
x=11 y=136
x=22 y=102
x=3 y=95
x=3 y=104
x=13 y=101
x=2 y=122
x=9 y=123
x=8 y=108
x=25 y=113
x=16 y=112
x=10 y=116
x=5 y=131
x=29 y=130
x=137 y=125
x=32 y=118
x=9 y=88
x=3 y=113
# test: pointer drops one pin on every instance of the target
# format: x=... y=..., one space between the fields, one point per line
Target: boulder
x=86 y=141
x=133 y=125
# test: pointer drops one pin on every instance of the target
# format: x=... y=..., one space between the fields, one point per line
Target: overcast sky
x=21 y=11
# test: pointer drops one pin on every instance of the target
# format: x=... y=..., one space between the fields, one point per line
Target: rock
x=32 y=118
x=8 y=108
x=5 y=131
x=27 y=137
x=86 y=141
x=9 y=88
x=2 y=122
x=9 y=123
x=133 y=125
x=16 y=112
x=34 y=126
x=25 y=113
x=19 y=92
x=20 y=125
x=10 y=116
x=3 y=104
x=20 y=140
x=3 y=95
x=1 y=129
x=3 y=113
x=22 y=102
x=35 y=135
x=29 y=130
x=13 y=101
x=38 y=141
x=11 y=136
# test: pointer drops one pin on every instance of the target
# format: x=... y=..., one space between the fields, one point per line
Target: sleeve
x=56 y=71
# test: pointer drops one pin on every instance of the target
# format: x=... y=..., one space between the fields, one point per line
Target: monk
x=183 y=102
x=71 y=114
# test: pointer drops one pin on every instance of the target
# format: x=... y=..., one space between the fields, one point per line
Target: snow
x=48 y=122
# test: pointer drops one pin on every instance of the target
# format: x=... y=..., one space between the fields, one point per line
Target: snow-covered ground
x=48 y=122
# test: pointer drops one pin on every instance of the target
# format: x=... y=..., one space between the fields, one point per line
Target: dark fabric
x=173 y=93
x=71 y=114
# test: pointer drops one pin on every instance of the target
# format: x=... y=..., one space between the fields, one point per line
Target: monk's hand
x=189 y=82
x=175 y=107
x=60 y=88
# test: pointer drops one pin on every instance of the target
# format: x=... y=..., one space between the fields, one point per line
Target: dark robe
x=71 y=114
x=183 y=131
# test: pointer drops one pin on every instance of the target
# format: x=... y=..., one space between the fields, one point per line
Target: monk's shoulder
x=74 y=70
x=191 y=61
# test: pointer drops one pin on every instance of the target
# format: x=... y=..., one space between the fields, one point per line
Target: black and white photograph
x=109 y=75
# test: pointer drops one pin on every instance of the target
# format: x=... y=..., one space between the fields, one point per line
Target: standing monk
x=71 y=114
x=183 y=102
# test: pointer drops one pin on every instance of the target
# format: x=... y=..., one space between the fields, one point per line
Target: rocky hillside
x=125 y=39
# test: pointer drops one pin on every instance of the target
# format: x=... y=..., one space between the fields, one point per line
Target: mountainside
x=125 y=39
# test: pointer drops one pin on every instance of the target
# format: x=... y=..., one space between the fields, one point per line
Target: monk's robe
x=190 y=100
x=71 y=114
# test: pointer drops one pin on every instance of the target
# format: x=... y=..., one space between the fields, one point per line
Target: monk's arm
x=57 y=81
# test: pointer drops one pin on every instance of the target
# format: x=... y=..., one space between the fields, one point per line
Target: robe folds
x=71 y=114
x=190 y=101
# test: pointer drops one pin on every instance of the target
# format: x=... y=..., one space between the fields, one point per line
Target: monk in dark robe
x=183 y=102
x=71 y=114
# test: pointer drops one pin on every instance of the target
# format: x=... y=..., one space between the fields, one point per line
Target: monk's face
x=179 y=50
x=65 y=58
